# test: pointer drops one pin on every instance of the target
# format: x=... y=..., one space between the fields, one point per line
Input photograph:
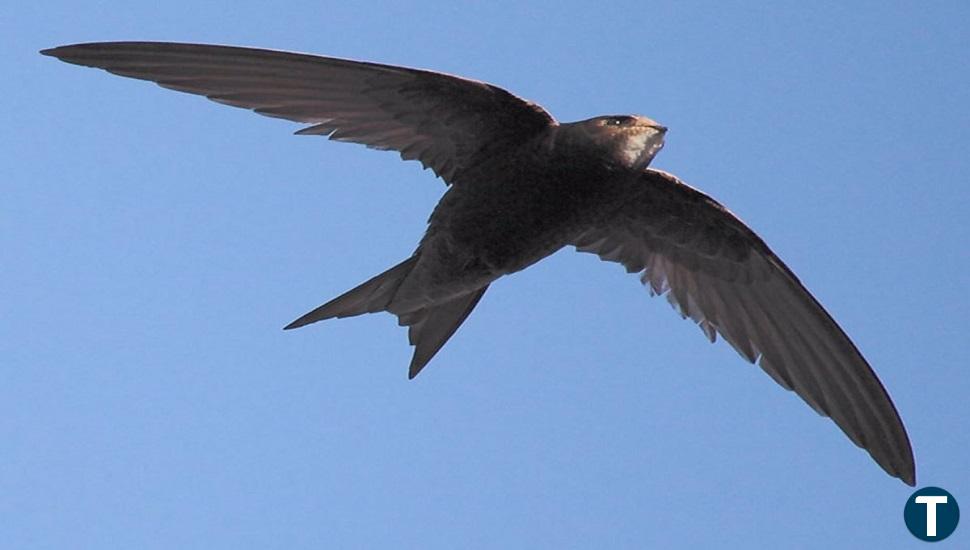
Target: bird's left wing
x=446 y=122
x=715 y=270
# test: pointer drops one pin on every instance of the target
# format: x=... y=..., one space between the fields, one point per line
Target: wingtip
x=60 y=51
x=301 y=321
x=909 y=478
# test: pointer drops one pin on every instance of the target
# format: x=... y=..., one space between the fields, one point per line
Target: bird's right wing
x=715 y=270
x=446 y=122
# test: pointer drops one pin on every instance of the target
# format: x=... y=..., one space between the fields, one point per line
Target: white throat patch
x=639 y=150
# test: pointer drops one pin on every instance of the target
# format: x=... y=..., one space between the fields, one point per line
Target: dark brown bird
x=522 y=186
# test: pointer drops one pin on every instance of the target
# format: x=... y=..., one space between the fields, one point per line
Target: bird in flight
x=521 y=186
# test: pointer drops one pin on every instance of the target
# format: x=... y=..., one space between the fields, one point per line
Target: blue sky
x=153 y=244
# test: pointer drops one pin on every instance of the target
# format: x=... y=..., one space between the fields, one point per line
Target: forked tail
x=370 y=297
x=431 y=327
x=428 y=328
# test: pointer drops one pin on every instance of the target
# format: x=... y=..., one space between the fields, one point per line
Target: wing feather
x=714 y=270
x=446 y=122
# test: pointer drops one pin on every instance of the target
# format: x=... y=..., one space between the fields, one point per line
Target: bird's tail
x=428 y=327
x=369 y=297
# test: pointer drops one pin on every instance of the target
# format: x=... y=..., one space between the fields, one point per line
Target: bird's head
x=623 y=141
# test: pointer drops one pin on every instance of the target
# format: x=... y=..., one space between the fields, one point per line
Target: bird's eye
x=617 y=120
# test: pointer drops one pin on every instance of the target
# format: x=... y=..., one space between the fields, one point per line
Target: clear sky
x=153 y=244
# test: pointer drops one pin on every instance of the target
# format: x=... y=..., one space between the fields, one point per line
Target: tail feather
x=431 y=327
x=428 y=327
x=369 y=297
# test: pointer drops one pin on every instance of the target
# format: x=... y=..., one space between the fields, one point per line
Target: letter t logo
x=931 y=514
x=931 y=503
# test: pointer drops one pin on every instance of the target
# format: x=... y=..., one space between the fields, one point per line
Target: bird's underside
x=521 y=186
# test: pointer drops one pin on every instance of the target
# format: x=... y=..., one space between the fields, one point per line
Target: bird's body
x=511 y=212
x=522 y=186
x=515 y=206
x=500 y=220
